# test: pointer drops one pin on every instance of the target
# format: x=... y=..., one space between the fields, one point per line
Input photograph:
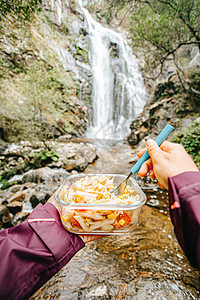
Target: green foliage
x=37 y=95
x=195 y=78
x=45 y=155
x=5 y=176
x=4 y=184
x=190 y=140
x=194 y=81
x=40 y=159
x=162 y=29
x=20 y=9
x=107 y=15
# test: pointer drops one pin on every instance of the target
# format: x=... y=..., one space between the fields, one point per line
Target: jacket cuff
x=187 y=185
x=184 y=196
x=45 y=221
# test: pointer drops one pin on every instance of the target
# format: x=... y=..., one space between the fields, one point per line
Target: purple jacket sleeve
x=184 y=197
x=32 y=252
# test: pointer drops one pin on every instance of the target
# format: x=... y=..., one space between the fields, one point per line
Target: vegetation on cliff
x=22 y=10
x=37 y=96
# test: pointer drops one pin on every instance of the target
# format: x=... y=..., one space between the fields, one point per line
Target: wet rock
x=74 y=172
x=70 y=166
x=64 y=137
x=38 y=175
x=153 y=119
x=59 y=175
x=81 y=163
x=4 y=215
x=14 y=207
x=19 y=218
x=89 y=153
x=23 y=157
x=168 y=103
x=4 y=195
x=41 y=197
x=3 y=146
x=16 y=178
x=133 y=159
x=15 y=197
x=15 y=188
x=75 y=155
x=98 y=291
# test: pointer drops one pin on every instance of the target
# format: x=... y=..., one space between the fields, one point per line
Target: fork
x=160 y=138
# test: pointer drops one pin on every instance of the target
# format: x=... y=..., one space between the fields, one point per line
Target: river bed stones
x=14 y=207
x=38 y=179
x=4 y=216
x=22 y=157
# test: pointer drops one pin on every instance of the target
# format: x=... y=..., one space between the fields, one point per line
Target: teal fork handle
x=160 y=138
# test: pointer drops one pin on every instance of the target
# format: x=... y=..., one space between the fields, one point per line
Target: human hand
x=168 y=160
x=90 y=237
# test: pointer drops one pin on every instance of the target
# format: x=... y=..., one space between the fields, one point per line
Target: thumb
x=153 y=149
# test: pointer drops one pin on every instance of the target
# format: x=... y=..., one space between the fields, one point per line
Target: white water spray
x=118 y=91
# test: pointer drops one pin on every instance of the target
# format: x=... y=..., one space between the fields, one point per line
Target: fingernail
x=150 y=142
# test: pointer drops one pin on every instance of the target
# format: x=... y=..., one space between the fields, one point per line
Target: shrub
x=190 y=140
x=43 y=157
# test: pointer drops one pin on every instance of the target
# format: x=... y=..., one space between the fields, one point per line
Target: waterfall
x=118 y=91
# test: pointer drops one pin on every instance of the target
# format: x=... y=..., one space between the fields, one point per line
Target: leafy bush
x=43 y=157
x=194 y=80
x=190 y=140
x=31 y=114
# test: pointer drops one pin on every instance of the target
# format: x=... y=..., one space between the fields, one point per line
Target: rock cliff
x=44 y=75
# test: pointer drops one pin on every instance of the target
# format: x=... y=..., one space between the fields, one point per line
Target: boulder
x=19 y=218
x=64 y=137
x=154 y=118
x=89 y=153
x=41 y=197
x=14 y=207
x=4 y=215
x=15 y=197
x=16 y=178
x=38 y=175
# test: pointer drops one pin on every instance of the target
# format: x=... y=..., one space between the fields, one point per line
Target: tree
x=161 y=29
x=164 y=27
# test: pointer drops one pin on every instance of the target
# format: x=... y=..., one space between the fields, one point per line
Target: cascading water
x=118 y=91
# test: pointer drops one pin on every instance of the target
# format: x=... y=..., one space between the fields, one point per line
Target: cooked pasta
x=96 y=190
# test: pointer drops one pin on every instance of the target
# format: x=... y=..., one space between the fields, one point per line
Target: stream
x=145 y=264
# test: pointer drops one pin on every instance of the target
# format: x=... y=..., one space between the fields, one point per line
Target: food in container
x=87 y=207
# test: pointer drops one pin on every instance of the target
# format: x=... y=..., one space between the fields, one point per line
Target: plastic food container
x=93 y=212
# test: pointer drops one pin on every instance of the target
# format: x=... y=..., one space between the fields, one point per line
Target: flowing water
x=118 y=91
x=144 y=264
